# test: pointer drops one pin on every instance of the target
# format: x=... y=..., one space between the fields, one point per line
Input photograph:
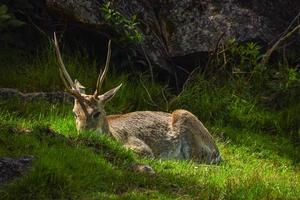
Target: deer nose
x=84 y=127
x=81 y=127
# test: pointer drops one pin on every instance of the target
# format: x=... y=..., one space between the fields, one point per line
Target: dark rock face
x=11 y=168
x=85 y=11
x=182 y=27
x=197 y=26
x=190 y=26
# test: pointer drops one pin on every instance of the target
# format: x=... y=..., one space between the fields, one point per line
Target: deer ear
x=109 y=94
x=79 y=87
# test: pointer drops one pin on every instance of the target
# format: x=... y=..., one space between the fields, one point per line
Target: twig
x=267 y=55
x=224 y=57
x=283 y=37
x=289 y=27
x=182 y=68
x=215 y=52
x=148 y=93
x=165 y=98
x=185 y=85
x=35 y=26
x=149 y=63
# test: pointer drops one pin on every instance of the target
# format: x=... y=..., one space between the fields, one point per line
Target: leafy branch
x=124 y=26
x=7 y=19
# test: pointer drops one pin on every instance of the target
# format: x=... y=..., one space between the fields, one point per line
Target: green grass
x=87 y=166
x=40 y=72
x=222 y=104
x=260 y=158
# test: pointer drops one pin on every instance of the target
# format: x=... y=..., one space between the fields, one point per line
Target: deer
x=176 y=135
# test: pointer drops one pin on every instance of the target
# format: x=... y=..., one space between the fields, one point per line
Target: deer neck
x=103 y=126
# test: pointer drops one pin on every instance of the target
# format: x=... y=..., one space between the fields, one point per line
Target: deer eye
x=96 y=115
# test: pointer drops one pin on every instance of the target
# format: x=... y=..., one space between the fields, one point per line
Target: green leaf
x=3 y=9
x=15 y=23
x=5 y=17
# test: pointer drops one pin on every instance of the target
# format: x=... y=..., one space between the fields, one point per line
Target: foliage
x=40 y=73
x=237 y=88
x=8 y=23
x=216 y=99
x=8 y=19
x=250 y=126
x=127 y=28
x=220 y=104
x=241 y=63
x=244 y=58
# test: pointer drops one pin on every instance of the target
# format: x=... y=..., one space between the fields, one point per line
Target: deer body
x=178 y=135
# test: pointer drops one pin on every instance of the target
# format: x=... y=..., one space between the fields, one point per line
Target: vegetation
x=87 y=166
x=40 y=73
x=237 y=89
x=251 y=108
x=260 y=157
x=7 y=22
x=7 y=19
x=126 y=28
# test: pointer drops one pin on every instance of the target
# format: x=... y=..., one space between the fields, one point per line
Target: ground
x=89 y=166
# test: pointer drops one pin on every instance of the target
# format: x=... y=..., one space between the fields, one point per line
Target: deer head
x=88 y=110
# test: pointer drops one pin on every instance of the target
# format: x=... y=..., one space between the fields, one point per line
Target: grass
x=40 y=73
x=222 y=104
x=87 y=166
x=260 y=159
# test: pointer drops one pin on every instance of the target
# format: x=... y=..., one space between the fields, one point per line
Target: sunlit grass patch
x=92 y=166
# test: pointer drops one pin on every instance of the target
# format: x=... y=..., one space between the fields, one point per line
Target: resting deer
x=178 y=135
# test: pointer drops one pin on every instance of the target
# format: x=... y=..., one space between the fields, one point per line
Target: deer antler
x=102 y=75
x=69 y=84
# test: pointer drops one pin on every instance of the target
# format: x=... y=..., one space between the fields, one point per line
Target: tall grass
x=239 y=90
x=221 y=104
x=39 y=72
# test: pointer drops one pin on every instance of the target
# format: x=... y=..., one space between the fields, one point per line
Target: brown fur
x=178 y=135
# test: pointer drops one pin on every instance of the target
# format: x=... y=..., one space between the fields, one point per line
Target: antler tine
x=64 y=73
x=69 y=84
x=102 y=75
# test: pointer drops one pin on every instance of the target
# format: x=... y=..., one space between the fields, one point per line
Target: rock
x=197 y=26
x=8 y=93
x=182 y=27
x=141 y=168
x=11 y=168
x=51 y=97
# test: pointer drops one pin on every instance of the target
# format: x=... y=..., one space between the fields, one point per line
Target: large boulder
x=191 y=26
x=182 y=27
